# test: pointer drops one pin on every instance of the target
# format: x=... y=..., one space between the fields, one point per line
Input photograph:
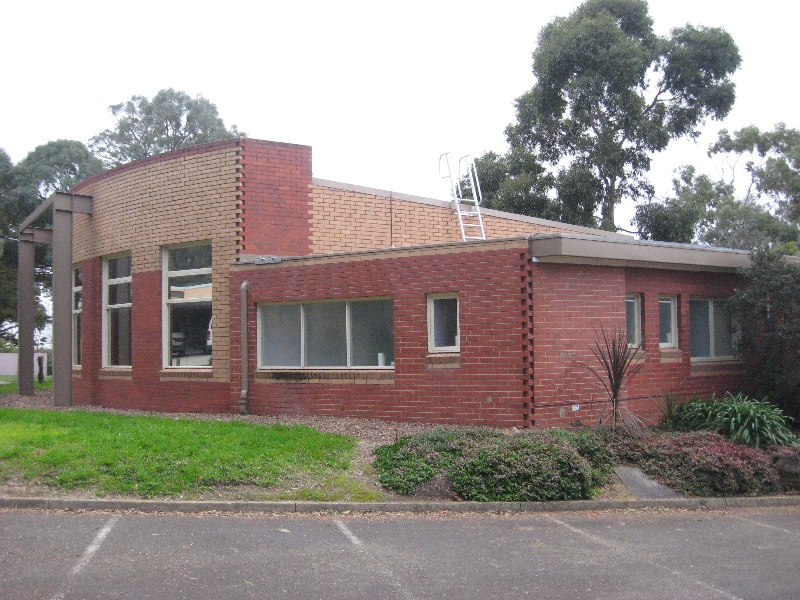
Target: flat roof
x=628 y=252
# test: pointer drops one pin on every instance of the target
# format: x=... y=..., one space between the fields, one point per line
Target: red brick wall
x=570 y=302
x=487 y=388
x=143 y=386
x=275 y=198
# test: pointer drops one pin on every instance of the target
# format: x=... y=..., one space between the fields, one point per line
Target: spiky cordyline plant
x=619 y=363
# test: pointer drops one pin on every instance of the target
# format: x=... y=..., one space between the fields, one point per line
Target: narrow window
x=710 y=330
x=668 y=321
x=633 y=319
x=443 y=326
x=352 y=333
x=187 y=307
x=117 y=304
x=77 y=310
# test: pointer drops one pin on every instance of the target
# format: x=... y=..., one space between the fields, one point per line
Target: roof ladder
x=468 y=209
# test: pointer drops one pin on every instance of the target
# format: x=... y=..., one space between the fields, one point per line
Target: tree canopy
x=750 y=212
x=170 y=121
x=767 y=311
x=51 y=167
x=609 y=93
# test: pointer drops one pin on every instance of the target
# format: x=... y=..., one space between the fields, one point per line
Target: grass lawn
x=8 y=385
x=156 y=456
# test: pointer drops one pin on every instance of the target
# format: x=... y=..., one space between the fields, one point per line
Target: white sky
x=378 y=89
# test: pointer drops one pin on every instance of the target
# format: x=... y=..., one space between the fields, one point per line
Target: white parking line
x=746 y=520
x=90 y=551
x=622 y=548
x=347 y=533
x=387 y=573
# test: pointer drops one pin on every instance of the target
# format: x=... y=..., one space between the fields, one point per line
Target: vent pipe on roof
x=245 y=354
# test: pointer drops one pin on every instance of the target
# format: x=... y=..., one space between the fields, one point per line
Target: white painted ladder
x=468 y=209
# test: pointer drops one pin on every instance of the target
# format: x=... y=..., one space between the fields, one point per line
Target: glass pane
x=77 y=277
x=280 y=335
x=699 y=328
x=191 y=286
x=193 y=257
x=119 y=293
x=119 y=267
x=190 y=334
x=76 y=339
x=630 y=321
x=445 y=322
x=665 y=335
x=119 y=336
x=723 y=344
x=325 y=331
x=77 y=301
x=372 y=333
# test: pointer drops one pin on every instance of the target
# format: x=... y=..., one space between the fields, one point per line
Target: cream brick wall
x=343 y=220
x=188 y=198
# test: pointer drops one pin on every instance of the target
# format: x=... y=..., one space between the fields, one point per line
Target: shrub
x=756 y=423
x=411 y=460
x=700 y=463
x=484 y=464
x=525 y=467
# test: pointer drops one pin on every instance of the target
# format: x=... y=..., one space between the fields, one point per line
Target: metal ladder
x=468 y=209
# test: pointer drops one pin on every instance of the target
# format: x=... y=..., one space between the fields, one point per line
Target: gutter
x=243 y=395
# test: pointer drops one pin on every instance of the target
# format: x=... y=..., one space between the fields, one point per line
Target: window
x=633 y=319
x=352 y=333
x=77 y=310
x=443 y=328
x=668 y=321
x=187 y=306
x=710 y=329
x=117 y=302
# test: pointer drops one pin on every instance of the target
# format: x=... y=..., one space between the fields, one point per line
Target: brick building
x=225 y=277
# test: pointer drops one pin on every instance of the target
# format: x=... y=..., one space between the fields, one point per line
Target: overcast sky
x=378 y=89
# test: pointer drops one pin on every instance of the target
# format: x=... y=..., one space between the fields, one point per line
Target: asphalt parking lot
x=653 y=554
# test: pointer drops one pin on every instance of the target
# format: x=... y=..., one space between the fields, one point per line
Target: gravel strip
x=368 y=430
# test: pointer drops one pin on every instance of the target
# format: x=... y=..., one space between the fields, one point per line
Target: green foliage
x=151 y=456
x=51 y=167
x=486 y=465
x=772 y=161
x=609 y=92
x=668 y=221
x=700 y=463
x=172 y=120
x=767 y=310
x=756 y=423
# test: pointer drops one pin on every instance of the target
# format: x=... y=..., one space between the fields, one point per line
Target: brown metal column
x=62 y=300
x=26 y=305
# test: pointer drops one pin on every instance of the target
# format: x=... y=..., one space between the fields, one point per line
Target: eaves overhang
x=594 y=250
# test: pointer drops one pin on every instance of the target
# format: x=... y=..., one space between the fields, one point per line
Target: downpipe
x=244 y=394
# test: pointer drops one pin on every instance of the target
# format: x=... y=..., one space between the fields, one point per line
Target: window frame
x=107 y=308
x=77 y=315
x=712 y=357
x=166 y=301
x=673 y=300
x=637 y=316
x=348 y=335
x=432 y=347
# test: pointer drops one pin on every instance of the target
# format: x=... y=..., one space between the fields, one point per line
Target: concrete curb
x=237 y=507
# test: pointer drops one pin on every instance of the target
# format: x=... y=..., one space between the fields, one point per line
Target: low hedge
x=486 y=465
x=700 y=463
